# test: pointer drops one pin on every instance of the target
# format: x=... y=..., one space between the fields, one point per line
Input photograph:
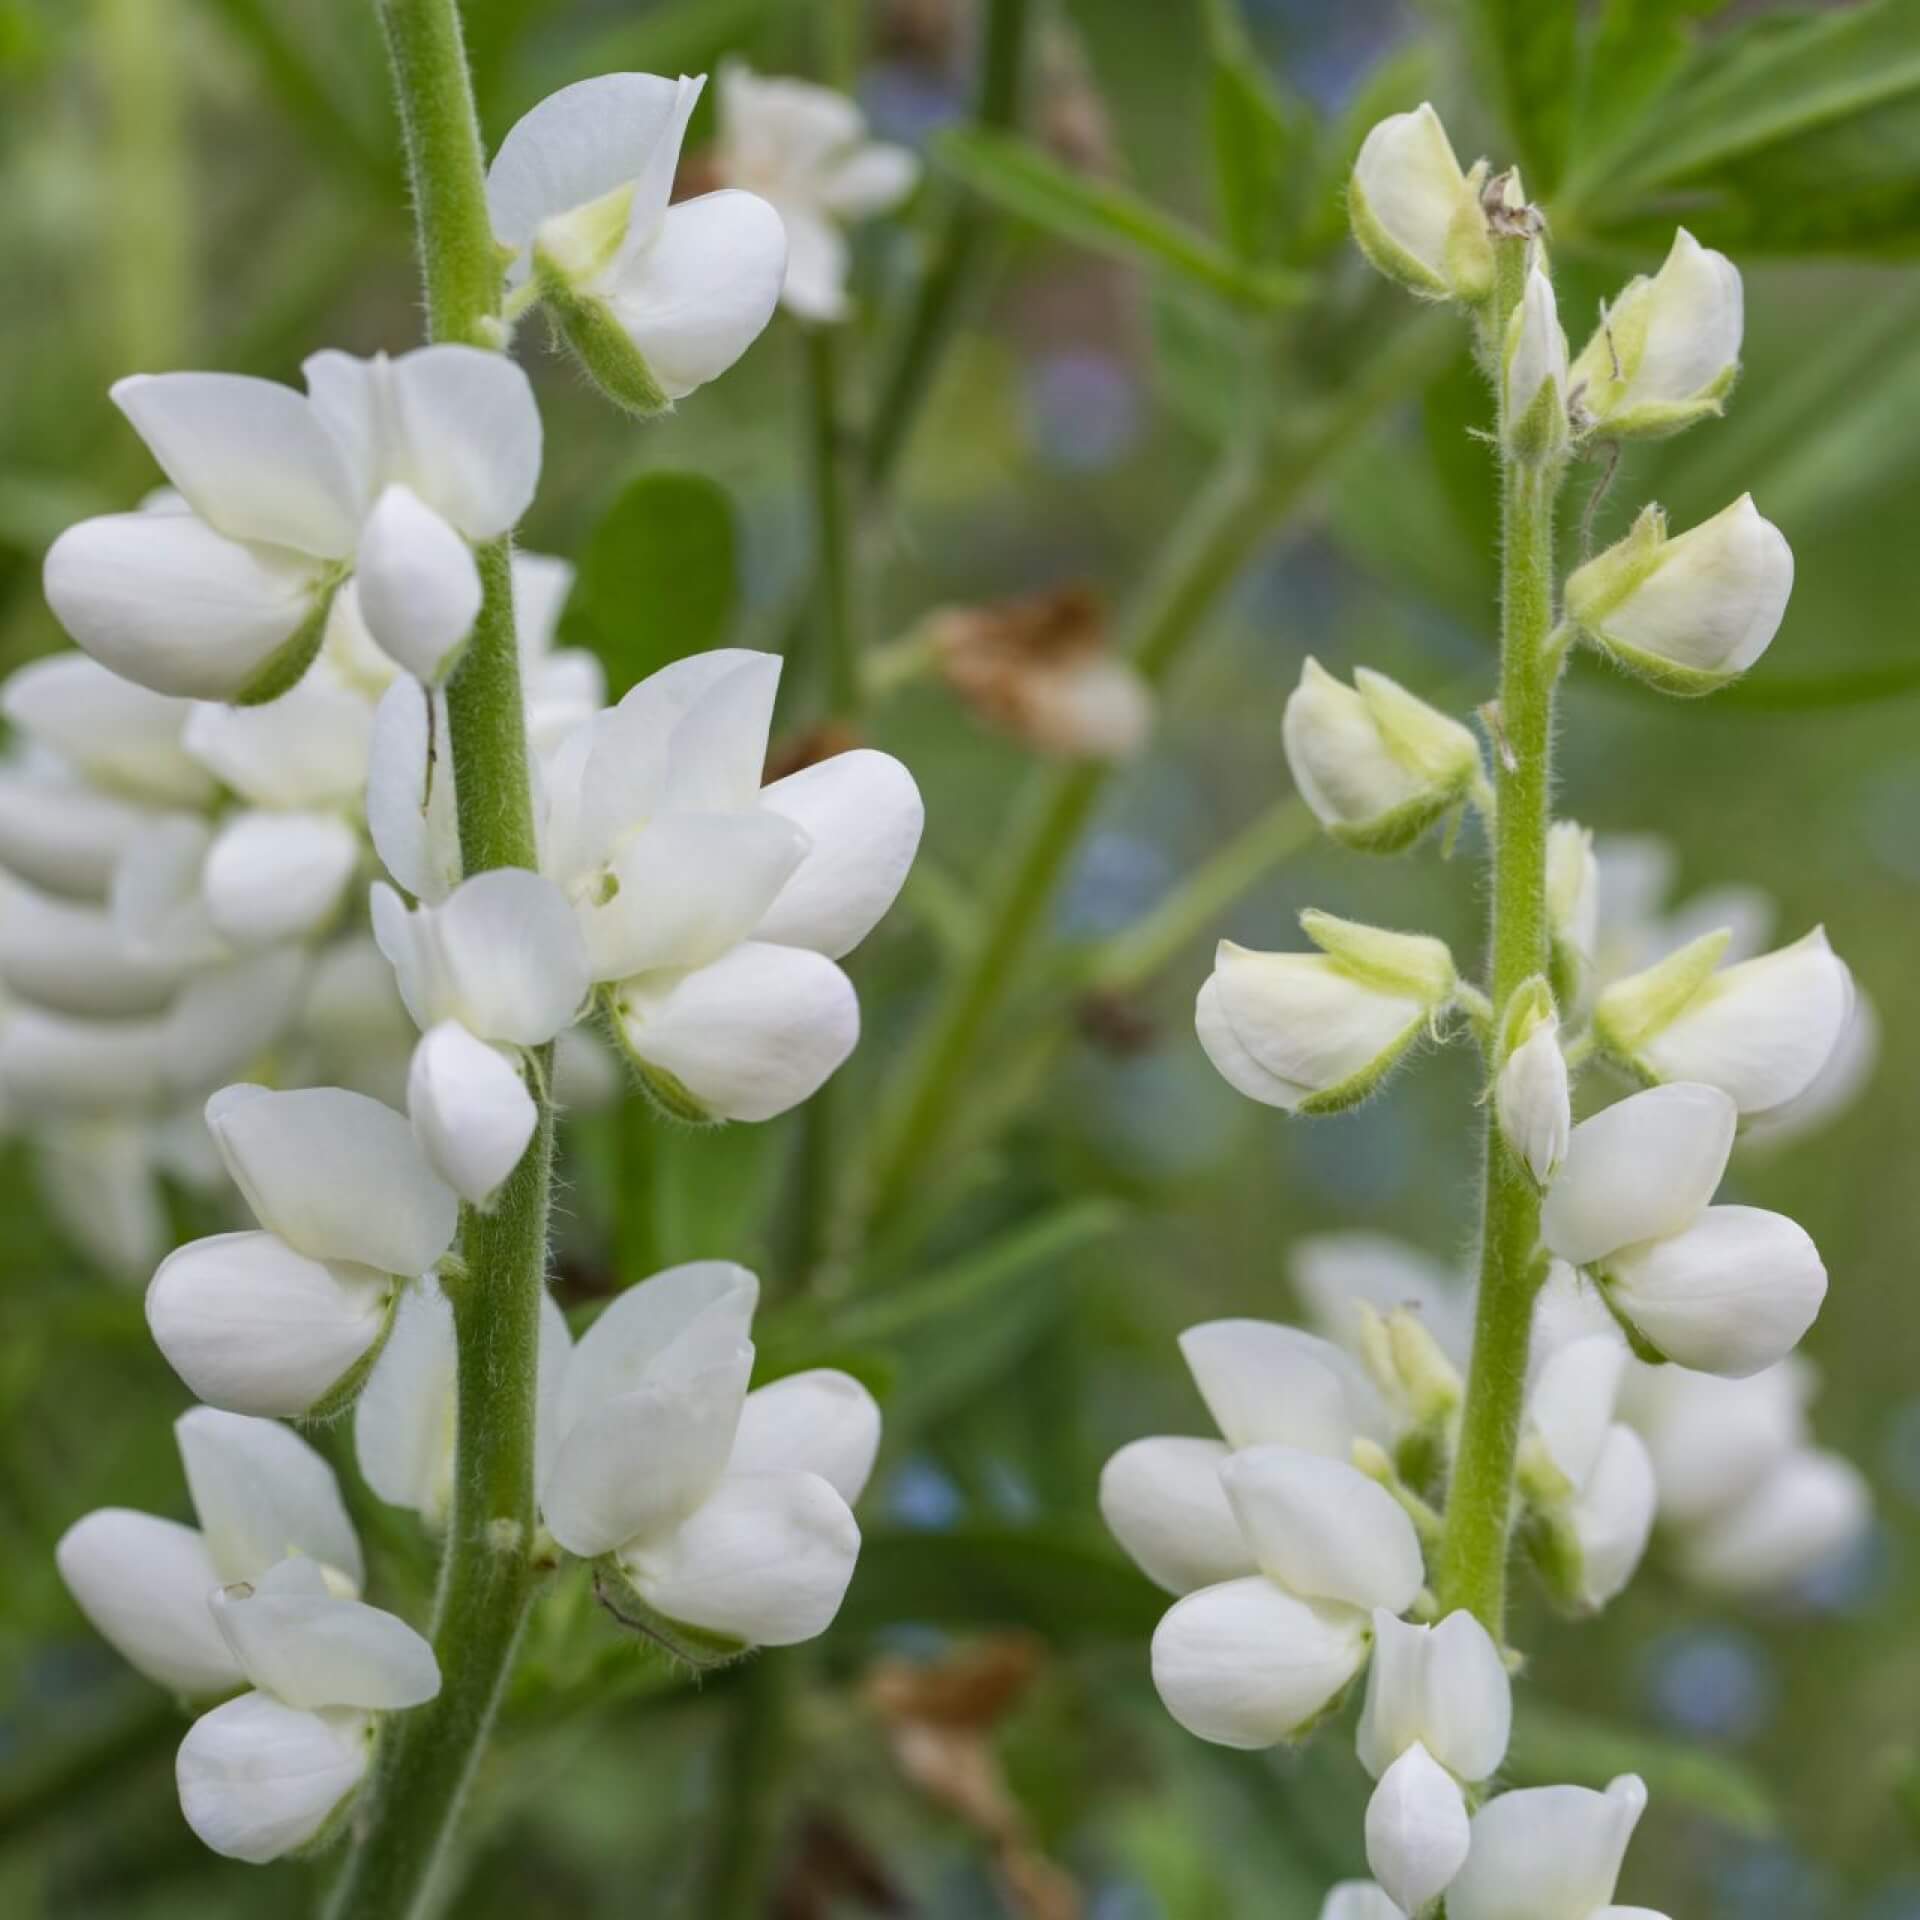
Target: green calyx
x=1637 y=1010
x=346 y=1390
x=596 y=339
x=667 y=1095
x=690 y=1647
x=1412 y=964
x=1389 y=257
x=1398 y=828
x=1357 y=1087
x=287 y=665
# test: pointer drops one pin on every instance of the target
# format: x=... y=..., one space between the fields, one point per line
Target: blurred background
x=1128 y=349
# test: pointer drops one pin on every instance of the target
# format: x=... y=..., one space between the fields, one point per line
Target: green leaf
x=1552 y=1745
x=1796 y=136
x=1400 y=82
x=1257 y=137
x=1526 y=50
x=1634 y=53
x=1040 y=1578
x=659 y=577
x=1107 y=219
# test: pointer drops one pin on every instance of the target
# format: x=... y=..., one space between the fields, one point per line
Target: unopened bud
x=1531 y=1093
x=1415 y=215
x=1534 y=372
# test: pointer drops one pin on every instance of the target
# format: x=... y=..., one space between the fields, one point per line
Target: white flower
x=1534 y=375
x=120 y=736
x=1280 y=1547
x=1667 y=352
x=1415 y=215
x=804 y=148
x=1573 y=896
x=655 y=299
x=1377 y=765
x=1725 y=1289
x=1762 y=1031
x=1444 y=1687
x=1812 y=1507
x=1532 y=1100
x=1690 y=612
x=403 y=1421
x=498 y=965
x=1550 y=1853
x=70 y=956
x=1312 y=1033
x=1417 y=1829
x=728 y=1512
x=261 y=1493
x=282 y=1320
x=228 y=599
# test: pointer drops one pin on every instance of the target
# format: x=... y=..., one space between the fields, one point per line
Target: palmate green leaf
x=1259 y=138
x=1041 y=1578
x=659 y=577
x=1104 y=218
x=1525 y=55
x=1553 y=1745
x=1798 y=135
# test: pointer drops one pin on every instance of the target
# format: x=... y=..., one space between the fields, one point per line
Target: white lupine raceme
x=804 y=148
x=726 y=1512
x=1761 y=1031
x=1667 y=351
x=1550 y=1853
x=1534 y=375
x=655 y=299
x=1416 y=216
x=263 y=1595
x=281 y=1321
x=228 y=598
x=1377 y=765
x=1724 y=1289
x=1692 y=611
x=1312 y=1033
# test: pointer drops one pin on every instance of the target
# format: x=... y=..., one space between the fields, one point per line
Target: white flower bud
x=1312 y=1033
x=259 y=1778
x=418 y=586
x=1417 y=1829
x=1731 y=1294
x=1415 y=215
x=252 y=1326
x=1811 y=1508
x=1667 y=353
x=1692 y=612
x=471 y=1111
x=1531 y=1098
x=1761 y=1031
x=1534 y=376
x=1376 y=765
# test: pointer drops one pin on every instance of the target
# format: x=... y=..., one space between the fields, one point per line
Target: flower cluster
x=1634 y=1308
x=263 y=723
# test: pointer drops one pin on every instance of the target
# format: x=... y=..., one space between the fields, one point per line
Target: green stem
x=955 y=257
x=1473 y=1555
x=1248 y=495
x=427 y=1757
x=755 y=1766
x=837 y=614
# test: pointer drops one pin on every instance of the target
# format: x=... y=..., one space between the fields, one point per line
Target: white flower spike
x=390 y=467
x=805 y=149
x=655 y=299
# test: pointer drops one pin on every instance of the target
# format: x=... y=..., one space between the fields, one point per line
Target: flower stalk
x=1473 y=1556
x=427 y=1758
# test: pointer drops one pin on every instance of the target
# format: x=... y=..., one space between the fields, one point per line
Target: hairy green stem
x=837 y=611
x=755 y=1766
x=1250 y=493
x=427 y=1757
x=1473 y=1554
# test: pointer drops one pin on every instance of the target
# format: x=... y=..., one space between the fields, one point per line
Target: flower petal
x=471 y=1111
x=143 y=1584
x=1444 y=1686
x=1265 y=1382
x=1547 y=1853
x=173 y=606
x=748 y=1037
x=765 y=1560
x=403 y=1421
x=410 y=794
x=1640 y=1169
x=418 y=585
x=1247 y=1665
x=1163 y=1501
x=1613 y=1516
x=862 y=815
x=335 y=1175
x=262 y=1493
x=469 y=431
x=719 y=746
x=258 y=1778
x=249 y=456
x=306 y=749
x=123 y=736
x=1323 y=1529
x=1417 y=1829
x=74 y=958
x=820 y=1421
x=278 y=876
x=253 y=1326
x=298 y=1640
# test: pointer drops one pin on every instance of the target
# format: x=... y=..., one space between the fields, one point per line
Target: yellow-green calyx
x=1635 y=1011
x=1414 y=964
